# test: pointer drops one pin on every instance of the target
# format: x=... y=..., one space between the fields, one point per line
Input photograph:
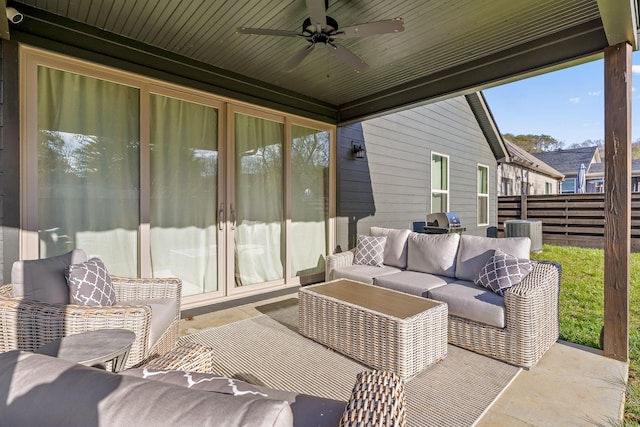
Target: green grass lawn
x=582 y=308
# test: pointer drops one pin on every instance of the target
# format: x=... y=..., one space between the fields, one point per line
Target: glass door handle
x=233 y=217
x=221 y=217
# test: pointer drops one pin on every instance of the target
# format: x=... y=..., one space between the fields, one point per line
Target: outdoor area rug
x=267 y=350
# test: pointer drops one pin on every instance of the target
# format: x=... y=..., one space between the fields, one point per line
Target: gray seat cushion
x=471 y=302
x=475 y=251
x=412 y=282
x=433 y=253
x=363 y=273
x=68 y=394
x=307 y=410
x=163 y=313
x=44 y=279
x=395 y=249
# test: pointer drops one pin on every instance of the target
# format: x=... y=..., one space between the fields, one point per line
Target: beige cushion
x=475 y=251
x=395 y=249
x=433 y=253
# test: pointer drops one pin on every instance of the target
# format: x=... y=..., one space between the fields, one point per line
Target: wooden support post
x=617 y=215
x=523 y=206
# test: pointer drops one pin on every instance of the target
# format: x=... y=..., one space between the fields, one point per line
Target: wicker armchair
x=28 y=325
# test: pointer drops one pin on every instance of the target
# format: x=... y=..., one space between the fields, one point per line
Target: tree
x=534 y=143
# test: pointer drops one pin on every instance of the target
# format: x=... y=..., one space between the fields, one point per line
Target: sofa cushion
x=474 y=251
x=370 y=250
x=68 y=394
x=502 y=271
x=43 y=279
x=90 y=284
x=472 y=302
x=433 y=253
x=412 y=282
x=163 y=313
x=307 y=410
x=395 y=249
x=363 y=273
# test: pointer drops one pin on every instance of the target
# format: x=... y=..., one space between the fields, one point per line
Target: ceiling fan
x=322 y=30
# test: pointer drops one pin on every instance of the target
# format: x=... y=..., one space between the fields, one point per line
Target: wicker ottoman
x=382 y=328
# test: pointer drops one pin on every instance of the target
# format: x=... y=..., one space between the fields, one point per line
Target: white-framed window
x=506 y=186
x=483 y=195
x=548 y=188
x=439 y=183
x=568 y=186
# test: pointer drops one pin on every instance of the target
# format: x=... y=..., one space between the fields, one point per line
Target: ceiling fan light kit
x=322 y=30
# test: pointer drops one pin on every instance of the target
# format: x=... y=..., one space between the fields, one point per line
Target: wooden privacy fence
x=567 y=219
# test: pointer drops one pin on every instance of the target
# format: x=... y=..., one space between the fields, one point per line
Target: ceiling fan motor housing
x=331 y=28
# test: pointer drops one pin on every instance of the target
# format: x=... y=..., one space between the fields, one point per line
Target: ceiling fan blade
x=348 y=57
x=296 y=59
x=372 y=28
x=317 y=12
x=266 y=32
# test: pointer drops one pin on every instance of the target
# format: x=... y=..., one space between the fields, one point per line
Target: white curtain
x=259 y=200
x=310 y=200
x=88 y=168
x=184 y=186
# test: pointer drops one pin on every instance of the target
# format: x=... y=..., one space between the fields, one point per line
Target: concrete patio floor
x=571 y=385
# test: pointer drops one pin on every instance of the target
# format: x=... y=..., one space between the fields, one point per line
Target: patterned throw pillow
x=90 y=283
x=503 y=271
x=370 y=251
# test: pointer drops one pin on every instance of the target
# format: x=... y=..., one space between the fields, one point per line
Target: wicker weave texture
x=188 y=357
x=403 y=346
x=28 y=325
x=377 y=399
x=342 y=259
x=532 y=325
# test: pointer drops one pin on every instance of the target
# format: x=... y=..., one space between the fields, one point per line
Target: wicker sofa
x=149 y=307
x=178 y=389
x=517 y=327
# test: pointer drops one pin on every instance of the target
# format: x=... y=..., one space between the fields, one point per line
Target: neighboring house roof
x=523 y=158
x=568 y=161
x=485 y=120
x=597 y=169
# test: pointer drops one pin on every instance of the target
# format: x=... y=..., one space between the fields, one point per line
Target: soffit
x=447 y=48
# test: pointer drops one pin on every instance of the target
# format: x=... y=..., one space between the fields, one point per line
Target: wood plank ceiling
x=447 y=48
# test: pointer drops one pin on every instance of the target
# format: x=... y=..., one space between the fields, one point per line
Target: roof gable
x=568 y=161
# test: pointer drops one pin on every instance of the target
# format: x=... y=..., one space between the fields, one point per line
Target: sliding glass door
x=309 y=200
x=88 y=156
x=257 y=208
x=184 y=172
x=164 y=181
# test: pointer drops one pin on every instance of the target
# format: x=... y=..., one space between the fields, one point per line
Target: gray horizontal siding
x=397 y=168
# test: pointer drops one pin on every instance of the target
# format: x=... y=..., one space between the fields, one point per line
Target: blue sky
x=567 y=104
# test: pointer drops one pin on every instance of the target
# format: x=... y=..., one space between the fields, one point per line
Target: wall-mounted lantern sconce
x=357 y=150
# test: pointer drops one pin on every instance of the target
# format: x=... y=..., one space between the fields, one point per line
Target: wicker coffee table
x=382 y=328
